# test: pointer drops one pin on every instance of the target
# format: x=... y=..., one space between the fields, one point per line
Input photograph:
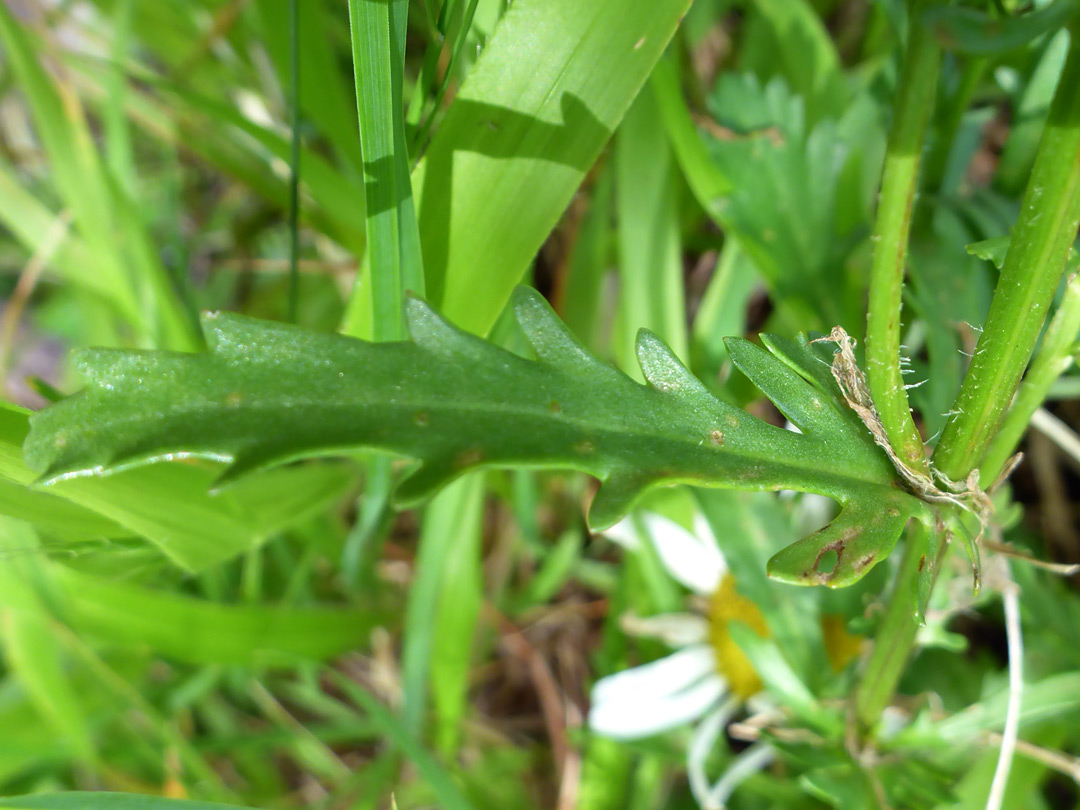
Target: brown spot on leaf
x=731 y=421
x=554 y=407
x=470 y=457
x=837 y=546
x=717 y=437
x=865 y=561
x=234 y=399
x=922 y=563
x=421 y=418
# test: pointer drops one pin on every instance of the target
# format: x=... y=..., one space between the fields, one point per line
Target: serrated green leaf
x=808 y=409
x=269 y=392
x=804 y=53
x=794 y=201
x=861 y=536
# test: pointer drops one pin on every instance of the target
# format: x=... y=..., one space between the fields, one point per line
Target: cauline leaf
x=266 y=393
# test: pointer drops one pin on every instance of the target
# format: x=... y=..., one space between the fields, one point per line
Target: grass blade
x=529 y=121
x=393 y=257
x=449 y=794
x=650 y=250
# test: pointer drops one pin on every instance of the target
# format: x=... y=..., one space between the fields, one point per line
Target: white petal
x=753 y=759
x=657 y=679
x=622 y=721
x=695 y=562
x=814 y=512
x=624 y=533
x=674 y=629
x=701 y=744
x=703 y=531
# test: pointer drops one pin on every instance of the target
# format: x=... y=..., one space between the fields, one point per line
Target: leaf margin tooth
x=553 y=341
x=424 y=480
x=619 y=492
x=663 y=370
x=787 y=351
x=426 y=327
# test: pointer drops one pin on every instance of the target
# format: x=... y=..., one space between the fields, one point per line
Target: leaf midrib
x=595 y=431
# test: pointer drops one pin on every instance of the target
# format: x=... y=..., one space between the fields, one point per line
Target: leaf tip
x=614 y=500
x=661 y=368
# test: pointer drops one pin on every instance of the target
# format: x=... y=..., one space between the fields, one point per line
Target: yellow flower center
x=725 y=606
x=841 y=646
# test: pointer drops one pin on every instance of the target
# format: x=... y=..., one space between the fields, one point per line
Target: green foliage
x=518 y=140
x=196 y=602
x=799 y=195
x=168 y=504
x=268 y=393
x=106 y=219
x=178 y=625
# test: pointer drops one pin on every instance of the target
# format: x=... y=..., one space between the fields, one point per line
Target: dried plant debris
x=935 y=488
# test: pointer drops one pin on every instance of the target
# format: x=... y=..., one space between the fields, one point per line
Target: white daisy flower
x=708 y=676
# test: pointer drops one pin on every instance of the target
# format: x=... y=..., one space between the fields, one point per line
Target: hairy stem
x=1037 y=253
x=911 y=112
x=1036 y=258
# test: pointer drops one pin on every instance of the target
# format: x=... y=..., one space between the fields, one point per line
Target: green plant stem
x=895 y=635
x=1052 y=360
x=1037 y=254
x=911 y=113
x=1033 y=266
